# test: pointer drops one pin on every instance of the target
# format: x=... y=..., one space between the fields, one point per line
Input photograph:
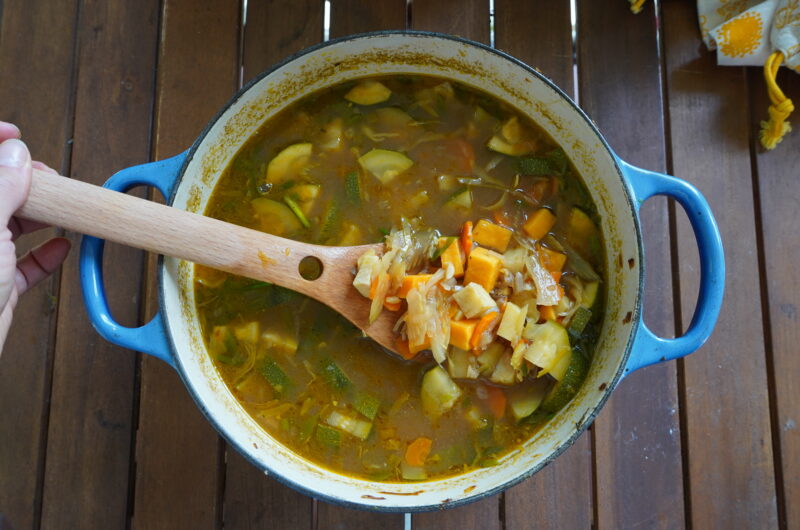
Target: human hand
x=19 y=275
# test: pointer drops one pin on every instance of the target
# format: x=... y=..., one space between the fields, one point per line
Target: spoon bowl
x=100 y=212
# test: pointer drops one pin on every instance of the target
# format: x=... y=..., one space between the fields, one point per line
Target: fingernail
x=14 y=153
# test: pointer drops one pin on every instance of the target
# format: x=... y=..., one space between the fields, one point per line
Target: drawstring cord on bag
x=774 y=129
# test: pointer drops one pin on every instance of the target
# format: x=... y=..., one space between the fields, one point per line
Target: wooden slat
x=36 y=43
x=779 y=196
x=278 y=28
x=731 y=477
x=347 y=17
x=252 y=500
x=468 y=19
x=540 y=500
x=357 y=16
x=177 y=450
x=88 y=450
x=637 y=436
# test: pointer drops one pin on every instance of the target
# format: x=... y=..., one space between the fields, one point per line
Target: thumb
x=15 y=178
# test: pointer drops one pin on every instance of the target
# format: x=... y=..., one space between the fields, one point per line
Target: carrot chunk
x=416 y=348
x=466 y=238
x=539 y=223
x=402 y=348
x=418 y=451
x=497 y=401
x=373 y=287
x=483 y=325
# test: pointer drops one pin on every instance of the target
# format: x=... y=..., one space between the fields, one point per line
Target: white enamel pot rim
x=618 y=190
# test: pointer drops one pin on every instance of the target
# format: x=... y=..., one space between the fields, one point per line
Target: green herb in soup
x=493 y=264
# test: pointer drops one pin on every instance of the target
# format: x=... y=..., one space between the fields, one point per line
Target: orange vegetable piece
x=461 y=332
x=466 y=238
x=402 y=349
x=557 y=277
x=392 y=306
x=539 y=223
x=497 y=401
x=539 y=189
x=410 y=282
x=483 y=268
x=483 y=324
x=452 y=254
x=547 y=312
x=418 y=451
x=552 y=260
x=416 y=348
x=490 y=235
x=373 y=286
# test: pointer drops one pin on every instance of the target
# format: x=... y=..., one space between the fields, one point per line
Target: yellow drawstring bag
x=754 y=33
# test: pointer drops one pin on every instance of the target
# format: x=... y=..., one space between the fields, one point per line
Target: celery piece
x=328 y=436
x=330 y=221
x=275 y=375
x=334 y=376
x=352 y=188
x=307 y=428
x=367 y=404
x=296 y=210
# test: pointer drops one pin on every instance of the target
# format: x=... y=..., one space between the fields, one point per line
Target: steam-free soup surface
x=425 y=159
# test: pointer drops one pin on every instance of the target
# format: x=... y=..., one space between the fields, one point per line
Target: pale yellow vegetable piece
x=514 y=259
x=368 y=93
x=280 y=341
x=385 y=165
x=247 y=333
x=366 y=264
x=288 y=163
x=512 y=323
x=474 y=300
x=549 y=346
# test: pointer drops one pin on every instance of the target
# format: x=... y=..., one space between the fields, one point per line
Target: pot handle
x=152 y=337
x=648 y=348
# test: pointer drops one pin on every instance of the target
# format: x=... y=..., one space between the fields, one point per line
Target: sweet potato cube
x=490 y=235
x=539 y=223
x=483 y=268
x=461 y=331
x=410 y=282
x=552 y=260
x=452 y=255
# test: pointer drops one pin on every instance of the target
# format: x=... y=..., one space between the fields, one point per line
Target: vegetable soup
x=493 y=264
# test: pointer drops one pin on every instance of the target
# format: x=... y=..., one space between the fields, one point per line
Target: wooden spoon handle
x=147 y=225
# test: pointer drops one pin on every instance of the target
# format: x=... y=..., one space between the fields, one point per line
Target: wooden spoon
x=103 y=213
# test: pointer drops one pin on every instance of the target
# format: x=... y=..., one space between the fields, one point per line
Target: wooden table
x=93 y=436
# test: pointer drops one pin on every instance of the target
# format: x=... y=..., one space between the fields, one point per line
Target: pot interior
x=471 y=64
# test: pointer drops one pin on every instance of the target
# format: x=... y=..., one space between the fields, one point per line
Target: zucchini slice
x=288 y=163
x=368 y=93
x=276 y=218
x=385 y=165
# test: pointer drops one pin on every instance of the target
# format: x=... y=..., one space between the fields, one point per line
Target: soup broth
x=348 y=166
